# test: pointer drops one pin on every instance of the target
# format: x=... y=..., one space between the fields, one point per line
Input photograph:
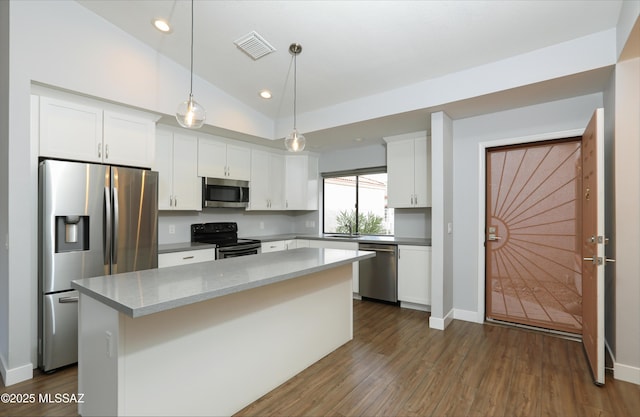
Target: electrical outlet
x=261 y=225
x=172 y=229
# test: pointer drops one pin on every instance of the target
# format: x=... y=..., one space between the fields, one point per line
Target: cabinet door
x=422 y=173
x=238 y=163
x=414 y=274
x=164 y=165
x=295 y=182
x=212 y=158
x=70 y=131
x=276 y=181
x=400 y=173
x=259 y=185
x=128 y=140
x=187 y=186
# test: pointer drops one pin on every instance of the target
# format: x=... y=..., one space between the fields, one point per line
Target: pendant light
x=190 y=114
x=295 y=141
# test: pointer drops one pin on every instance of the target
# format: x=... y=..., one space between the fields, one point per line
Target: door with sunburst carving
x=533 y=235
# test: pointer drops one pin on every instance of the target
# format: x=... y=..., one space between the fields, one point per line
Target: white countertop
x=146 y=292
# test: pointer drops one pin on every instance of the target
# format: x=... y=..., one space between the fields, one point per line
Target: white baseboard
x=415 y=306
x=626 y=373
x=467 y=315
x=441 y=323
x=15 y=375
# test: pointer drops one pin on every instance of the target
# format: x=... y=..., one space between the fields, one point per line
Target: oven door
x=238 y=250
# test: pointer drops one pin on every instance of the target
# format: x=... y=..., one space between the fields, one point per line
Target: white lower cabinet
x=277 y=245
x=414 y=276
x=274 y=246
x=186 y=257
x=341 y=245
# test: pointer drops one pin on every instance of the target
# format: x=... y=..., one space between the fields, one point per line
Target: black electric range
x=225 y=236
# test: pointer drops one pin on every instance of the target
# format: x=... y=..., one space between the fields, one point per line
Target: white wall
x=442 y=255
x=4 y=181
x=353 y=158
x=627 y=224
x=468 y=134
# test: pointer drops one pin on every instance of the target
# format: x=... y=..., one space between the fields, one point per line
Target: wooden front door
x=593 y=244
x=533 y=235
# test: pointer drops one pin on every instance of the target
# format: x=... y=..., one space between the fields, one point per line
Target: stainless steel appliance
x=94 y=220
x=225 y=237
x=379 y=275
x=217 y=192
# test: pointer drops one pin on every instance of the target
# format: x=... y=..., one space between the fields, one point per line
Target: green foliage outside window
x=368 y=224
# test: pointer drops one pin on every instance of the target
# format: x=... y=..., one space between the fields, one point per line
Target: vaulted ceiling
x=354 y=49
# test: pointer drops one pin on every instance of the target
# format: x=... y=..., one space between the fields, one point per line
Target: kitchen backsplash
x=174 y=227
x=250 y=223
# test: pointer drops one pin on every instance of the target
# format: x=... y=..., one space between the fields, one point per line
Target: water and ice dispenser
x=72 y=233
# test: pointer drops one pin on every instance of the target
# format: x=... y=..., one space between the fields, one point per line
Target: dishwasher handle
x=378 y=248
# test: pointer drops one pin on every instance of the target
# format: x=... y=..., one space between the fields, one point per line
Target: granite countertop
x=151 y=291
x=394 y=240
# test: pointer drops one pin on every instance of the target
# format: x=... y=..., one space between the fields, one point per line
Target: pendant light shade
x=190 y=114
x=295 y=141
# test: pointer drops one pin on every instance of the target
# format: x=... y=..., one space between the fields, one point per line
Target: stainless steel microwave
x=218 y=192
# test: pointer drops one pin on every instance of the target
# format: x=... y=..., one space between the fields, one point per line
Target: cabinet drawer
x=186 y=257
x=273 y=246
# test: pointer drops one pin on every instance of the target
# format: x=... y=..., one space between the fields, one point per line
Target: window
x=356 y=202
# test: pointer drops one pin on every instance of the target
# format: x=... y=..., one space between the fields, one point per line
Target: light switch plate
x=449 y=228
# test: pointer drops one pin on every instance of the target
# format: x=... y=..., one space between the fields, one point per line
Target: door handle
x=116 y=222
x=64 y=300
x=594 y=260
x=106 y=242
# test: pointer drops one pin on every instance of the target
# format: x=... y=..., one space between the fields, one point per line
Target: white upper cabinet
x=301 y=182
x=408 y=171
x=179 y=187
x=128 y=140
x=266 y=189
x=70 y=131
x=219 y=159
x=89 y=133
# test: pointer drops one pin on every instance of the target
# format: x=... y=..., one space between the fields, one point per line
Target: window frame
x=350 y=173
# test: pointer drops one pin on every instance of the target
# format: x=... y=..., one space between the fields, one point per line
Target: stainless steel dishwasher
x=379 y=275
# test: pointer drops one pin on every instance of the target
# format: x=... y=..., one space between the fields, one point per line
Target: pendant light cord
x=191 y=83
x=295 y=92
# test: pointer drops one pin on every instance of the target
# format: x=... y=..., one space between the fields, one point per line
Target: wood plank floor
x=397 y=366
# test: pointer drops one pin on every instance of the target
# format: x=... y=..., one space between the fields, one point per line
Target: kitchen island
x=209 y=338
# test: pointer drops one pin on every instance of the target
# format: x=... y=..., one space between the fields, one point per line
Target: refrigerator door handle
x=116 y=221
x=106 y=249
x=63 y=300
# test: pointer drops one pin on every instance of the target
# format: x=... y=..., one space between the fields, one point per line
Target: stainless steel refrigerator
x=94 y=220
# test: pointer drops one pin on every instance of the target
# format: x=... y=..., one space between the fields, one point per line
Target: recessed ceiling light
x=162 y=25
x=266 y=94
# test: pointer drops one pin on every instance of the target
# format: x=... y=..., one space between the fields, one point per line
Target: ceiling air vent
x=254 y=45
